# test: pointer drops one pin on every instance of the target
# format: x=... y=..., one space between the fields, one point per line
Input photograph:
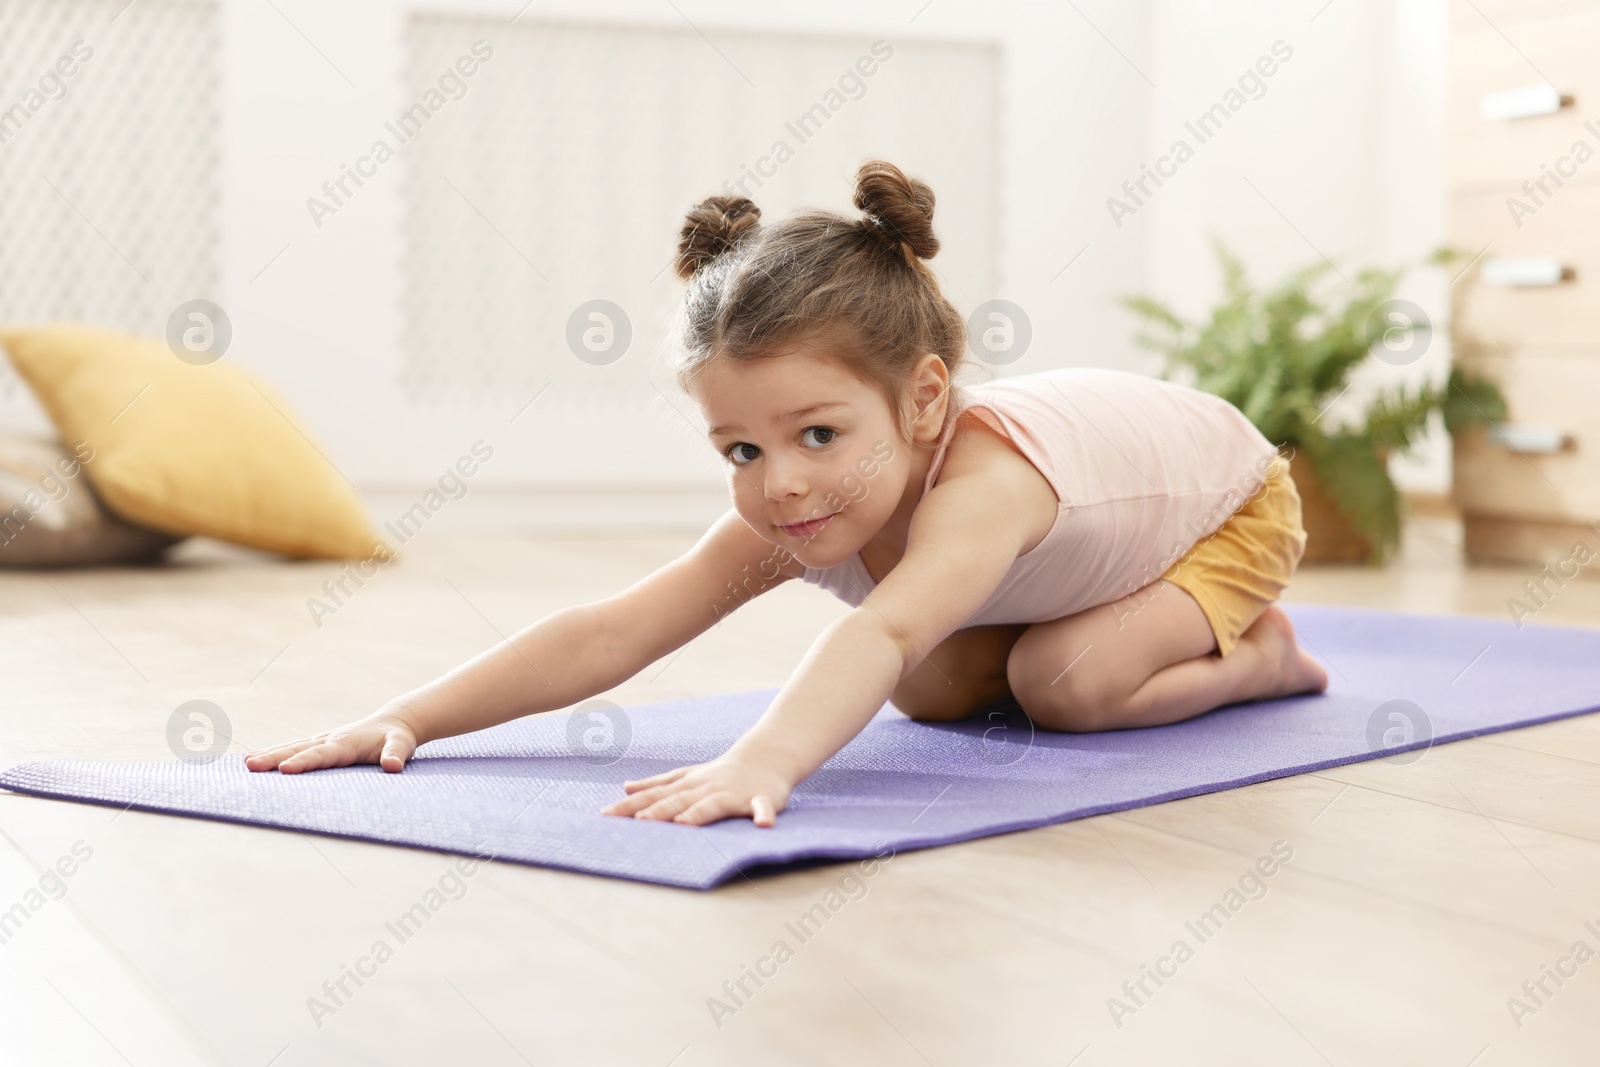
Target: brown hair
x=858 y=287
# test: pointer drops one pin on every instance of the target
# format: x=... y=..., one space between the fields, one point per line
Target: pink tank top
x=1144 y=469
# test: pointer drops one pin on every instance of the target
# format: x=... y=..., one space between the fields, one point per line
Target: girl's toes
x=1309 y=674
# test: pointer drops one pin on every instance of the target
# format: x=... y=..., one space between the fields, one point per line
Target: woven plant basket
x=1330 y=538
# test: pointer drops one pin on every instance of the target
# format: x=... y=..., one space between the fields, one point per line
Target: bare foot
x=1272 y=635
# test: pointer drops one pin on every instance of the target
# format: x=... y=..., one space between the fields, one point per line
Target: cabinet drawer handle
x=1521 y=271
x=1525 y=103
x=1521 y=437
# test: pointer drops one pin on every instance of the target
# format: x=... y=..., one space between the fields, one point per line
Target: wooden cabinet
x=1523 y=167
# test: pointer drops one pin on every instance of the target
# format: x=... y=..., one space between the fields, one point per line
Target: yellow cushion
x=203 y=449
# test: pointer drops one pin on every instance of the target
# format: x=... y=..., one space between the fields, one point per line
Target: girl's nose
x=783 y=480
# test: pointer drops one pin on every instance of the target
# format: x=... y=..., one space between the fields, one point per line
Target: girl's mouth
x=806 y=529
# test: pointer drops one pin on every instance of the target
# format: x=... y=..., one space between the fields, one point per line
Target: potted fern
x=1284 y=355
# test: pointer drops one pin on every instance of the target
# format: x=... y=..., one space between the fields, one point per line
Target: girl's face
x=813 y=459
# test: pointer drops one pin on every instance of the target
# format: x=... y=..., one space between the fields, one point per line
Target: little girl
x=1102 y=547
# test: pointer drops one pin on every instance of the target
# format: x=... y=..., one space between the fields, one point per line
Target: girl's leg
x=965 y=671
x=1150 y=659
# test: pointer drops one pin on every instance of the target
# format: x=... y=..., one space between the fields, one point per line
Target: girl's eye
x=739 y=457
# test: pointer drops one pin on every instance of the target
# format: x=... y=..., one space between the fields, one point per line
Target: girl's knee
x=965 y=672
x=1065 y=714
x=933 y=701
x=932 y=710
x=1072 y=697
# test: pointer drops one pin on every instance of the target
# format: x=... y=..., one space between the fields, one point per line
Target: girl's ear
x=930 y=393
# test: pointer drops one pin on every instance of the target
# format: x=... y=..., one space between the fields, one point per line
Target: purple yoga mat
x=1398 y=683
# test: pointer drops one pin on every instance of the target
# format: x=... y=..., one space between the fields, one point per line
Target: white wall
x=1344 y=151
x=324 y=313
x=1345 y=144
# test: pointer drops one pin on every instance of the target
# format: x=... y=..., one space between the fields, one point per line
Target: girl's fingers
x=268 y=758
x=761 y=809
x=265 y=760
x=668 y=797
x=281 y=751
x=708 y=810
x=323 y=754
x=390 y=749
x=664 y=810
x=634 y=803
x=618 y=807
x=763 y=812
x=666 y=778
x=302 y=760
x=672 y=804
x=396 y=750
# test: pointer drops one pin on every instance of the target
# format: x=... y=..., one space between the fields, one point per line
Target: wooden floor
x=1418 y=900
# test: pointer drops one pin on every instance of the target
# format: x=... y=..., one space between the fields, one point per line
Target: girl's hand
x=383 y=738
x=707 y=792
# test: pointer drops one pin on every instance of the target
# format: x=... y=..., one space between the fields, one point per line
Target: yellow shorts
x=1245 y=565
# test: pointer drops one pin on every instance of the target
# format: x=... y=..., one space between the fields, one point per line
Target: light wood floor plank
x=1419 y=899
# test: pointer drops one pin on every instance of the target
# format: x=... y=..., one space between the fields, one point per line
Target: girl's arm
x=565 y=658
x=956 y=555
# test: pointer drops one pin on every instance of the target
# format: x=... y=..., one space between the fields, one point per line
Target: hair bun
x=898 y=209
x=711 y=228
